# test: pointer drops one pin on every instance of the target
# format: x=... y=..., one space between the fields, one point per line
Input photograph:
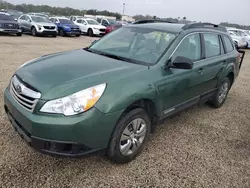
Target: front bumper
x=47 y=32
x=59 y=135
x=11 y=31
x=98 y=32
x=75 y=32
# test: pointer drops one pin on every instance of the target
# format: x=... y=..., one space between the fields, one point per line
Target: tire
x=221 y=95
x=54 y=36
x=90 y=33
x=19 y=34
x=61 y=33
x=33 y=32
x=124 y=128
x=77 y=35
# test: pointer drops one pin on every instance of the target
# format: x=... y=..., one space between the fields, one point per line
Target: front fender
x=119 y=96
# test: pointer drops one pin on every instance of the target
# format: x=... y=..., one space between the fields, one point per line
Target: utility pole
x=123 y=9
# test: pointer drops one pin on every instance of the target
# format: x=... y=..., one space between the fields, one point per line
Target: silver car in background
x=239 y=41
x=242 y=33
x=37 y=25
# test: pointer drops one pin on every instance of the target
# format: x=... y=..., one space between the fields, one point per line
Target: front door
x=179 y=88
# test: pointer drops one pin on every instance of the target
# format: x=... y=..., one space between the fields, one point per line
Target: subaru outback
x=111 y=95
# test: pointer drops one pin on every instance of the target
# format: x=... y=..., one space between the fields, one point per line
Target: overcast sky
x=234 y=11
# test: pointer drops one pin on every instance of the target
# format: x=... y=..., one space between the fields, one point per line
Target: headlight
x=39 y=26
x=76 y=103
x=96 y=28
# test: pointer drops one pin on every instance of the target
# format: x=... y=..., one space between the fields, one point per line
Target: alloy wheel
x=133 y=136
x=223 y=92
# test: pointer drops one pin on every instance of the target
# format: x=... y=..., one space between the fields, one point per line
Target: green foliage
x=226 y=24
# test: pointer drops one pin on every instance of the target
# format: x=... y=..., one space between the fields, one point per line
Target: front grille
x=102 y=30
x=10 y=26
x=49 y=27
x=23 y=95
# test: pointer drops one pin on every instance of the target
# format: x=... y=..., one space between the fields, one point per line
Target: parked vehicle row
x=242 y=34
x=240 y=37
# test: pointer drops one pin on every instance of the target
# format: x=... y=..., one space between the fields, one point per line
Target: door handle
x=200 y=71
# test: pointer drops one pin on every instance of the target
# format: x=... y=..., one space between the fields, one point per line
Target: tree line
x=67 y=11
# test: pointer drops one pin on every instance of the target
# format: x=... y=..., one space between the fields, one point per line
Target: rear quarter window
x=228 y=44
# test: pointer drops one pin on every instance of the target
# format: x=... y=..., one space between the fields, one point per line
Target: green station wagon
x=111 y=95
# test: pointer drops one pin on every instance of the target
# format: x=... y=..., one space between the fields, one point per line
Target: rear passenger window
x=228 y=44
x=212 y=45
x=190 y=48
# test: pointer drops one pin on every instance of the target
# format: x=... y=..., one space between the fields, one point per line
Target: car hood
x=45 y=24
x=70 y=25
x=8 y=21
x=64 y=73
x=98 y=26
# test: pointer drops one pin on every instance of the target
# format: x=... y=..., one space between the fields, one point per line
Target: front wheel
x=222 y=93
x=61 y=33
x=33 y=31
x=19 y=34
x=129 y=136
x=90 y=33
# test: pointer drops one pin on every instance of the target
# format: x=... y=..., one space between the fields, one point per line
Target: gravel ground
x=202 y=147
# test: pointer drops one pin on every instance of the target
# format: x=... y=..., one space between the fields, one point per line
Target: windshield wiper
x=117 y=57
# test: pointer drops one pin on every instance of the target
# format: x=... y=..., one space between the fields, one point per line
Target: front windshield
x=6 y=17
x=15 y=14
x=112 y=22
x=92 y=22
x=39 y=19
x=65 y=21
x=138 y=44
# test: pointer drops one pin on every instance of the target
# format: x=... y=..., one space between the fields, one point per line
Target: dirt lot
x=202 y=147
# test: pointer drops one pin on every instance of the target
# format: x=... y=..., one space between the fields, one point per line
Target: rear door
x=22 y=21
x=84 y=26
x=28 y=23
x=215 y=60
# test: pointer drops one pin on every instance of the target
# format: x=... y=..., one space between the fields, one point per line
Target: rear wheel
x=90 y=33
x=222 y=93
x=33 y=31
x=129 y=136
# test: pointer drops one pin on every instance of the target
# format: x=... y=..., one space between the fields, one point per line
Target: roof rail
x=152 y=21
x=204 y=25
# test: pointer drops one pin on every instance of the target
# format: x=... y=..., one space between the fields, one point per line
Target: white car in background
x=90 y=26
x=239 y=41
x=242 y=33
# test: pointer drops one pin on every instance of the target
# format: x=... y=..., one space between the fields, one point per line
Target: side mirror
x=182 y=63
x=29 y=20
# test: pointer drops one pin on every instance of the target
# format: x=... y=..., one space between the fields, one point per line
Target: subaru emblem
x=18 y=89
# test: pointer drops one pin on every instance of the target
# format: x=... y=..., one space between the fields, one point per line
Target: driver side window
x=190 y=48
